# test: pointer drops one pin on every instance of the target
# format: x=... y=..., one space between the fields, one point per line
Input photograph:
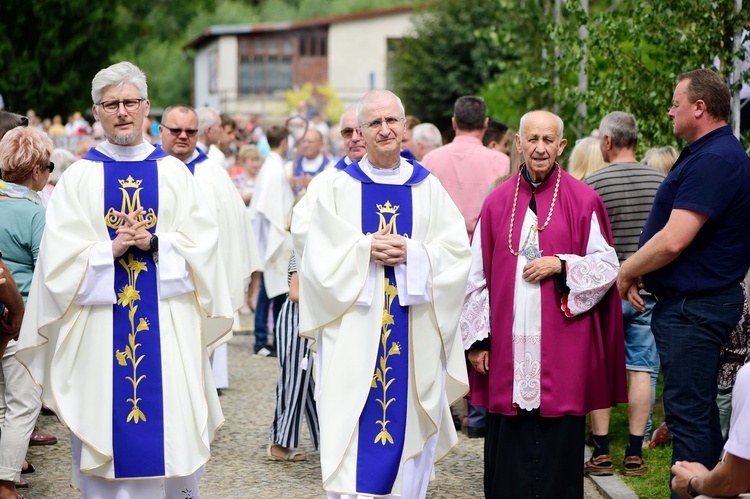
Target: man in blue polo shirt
x=694 y=251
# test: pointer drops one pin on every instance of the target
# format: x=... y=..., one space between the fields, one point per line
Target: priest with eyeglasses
x=127 y=295
x=381 y=286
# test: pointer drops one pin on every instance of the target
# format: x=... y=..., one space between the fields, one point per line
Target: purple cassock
x=582 y=357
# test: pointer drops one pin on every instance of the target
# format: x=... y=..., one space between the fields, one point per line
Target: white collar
x=126 y=153
x=391 y=176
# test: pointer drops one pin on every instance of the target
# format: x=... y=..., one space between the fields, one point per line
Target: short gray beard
x=123 y=140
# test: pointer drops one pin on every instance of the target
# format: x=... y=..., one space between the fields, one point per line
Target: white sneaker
x=265 y=352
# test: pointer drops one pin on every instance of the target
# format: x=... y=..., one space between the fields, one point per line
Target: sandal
x=29 y=468
x=599 y=466
x=22 y=484
x=292 y=455
x=634 y=466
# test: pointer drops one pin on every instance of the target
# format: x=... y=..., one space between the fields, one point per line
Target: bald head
x=378 y=97
x=380 y=116
x=540 y=141
x=311 y=144
x=354 y=144
x=538 y=115
x=178 y=130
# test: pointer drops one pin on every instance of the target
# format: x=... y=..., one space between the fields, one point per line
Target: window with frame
x=266 y=64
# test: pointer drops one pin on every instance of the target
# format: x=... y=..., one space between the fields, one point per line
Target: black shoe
x=475 y=432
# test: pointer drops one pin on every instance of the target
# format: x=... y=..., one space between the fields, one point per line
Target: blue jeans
x=689 y=332
x=261 y=314
x=640 y=347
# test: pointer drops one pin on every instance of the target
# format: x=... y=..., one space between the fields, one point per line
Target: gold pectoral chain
x=535 y=228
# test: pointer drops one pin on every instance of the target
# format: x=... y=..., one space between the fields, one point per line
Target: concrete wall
x=358 y=51
x=357 y=56
x=215 y=73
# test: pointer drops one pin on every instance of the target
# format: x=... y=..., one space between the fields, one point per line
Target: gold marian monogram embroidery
x=131 y=201
x=381 y=371
x=129 y=205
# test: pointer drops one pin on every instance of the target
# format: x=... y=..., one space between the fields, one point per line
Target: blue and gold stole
x=137 y=392
x=382 y=424
x=198 y=159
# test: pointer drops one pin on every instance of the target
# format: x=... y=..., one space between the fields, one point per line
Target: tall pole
x=583 y=79
x=558 y=15
x=736 y=72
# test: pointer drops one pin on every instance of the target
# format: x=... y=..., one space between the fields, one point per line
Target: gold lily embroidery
x=381 y=372
x=127 y=298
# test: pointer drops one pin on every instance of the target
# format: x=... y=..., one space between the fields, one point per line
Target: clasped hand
x=131 y=233
x=541 y=268
x=387 y=249
x=629 y=290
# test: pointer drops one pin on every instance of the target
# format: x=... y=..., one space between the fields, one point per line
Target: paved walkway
x=238 y=468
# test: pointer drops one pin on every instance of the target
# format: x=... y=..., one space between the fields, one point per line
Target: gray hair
x=623 y=129
x=374 y=96
x=348 y=110
x=559 y=123
x=207 y=117
x=118 y=75
x=427 y=134
x=62 y=158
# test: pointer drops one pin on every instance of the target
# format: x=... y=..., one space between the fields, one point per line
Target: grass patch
x=655 y=483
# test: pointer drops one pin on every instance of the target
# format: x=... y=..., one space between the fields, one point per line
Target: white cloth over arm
x=270 y=209
x=475 y=317
x=590 y=276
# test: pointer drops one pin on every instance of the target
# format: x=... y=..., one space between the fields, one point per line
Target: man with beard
x=128 y=294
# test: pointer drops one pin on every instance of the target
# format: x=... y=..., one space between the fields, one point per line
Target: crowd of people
x=392 y=276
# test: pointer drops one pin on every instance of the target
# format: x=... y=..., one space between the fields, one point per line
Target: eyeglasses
x=50 y=167
x=347 y=132
x=24 y=121
x=176 y=132
x=390 y=121
x=111 y=106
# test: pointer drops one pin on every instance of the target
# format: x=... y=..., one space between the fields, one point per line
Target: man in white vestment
x=209 y=134
x=270 y=210
x=312 y=160
x=238 y=249
x=354 y=146
x=383 y=272
x=114 y=332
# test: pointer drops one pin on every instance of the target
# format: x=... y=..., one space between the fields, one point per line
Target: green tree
x=635 y=53
x=51 y=49
x=632 y=53
x=448 y=57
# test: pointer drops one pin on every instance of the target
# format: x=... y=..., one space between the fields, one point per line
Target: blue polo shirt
x=712 y=177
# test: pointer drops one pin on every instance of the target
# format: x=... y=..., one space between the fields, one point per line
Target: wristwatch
x=154 y=244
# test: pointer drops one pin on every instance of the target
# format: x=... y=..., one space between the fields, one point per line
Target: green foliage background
x=512 y=52
x=51 y=49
